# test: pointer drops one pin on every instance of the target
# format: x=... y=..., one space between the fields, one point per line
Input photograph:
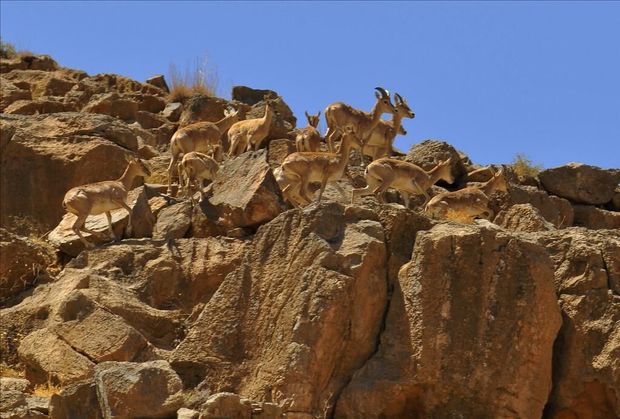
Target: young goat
x=468 y=203
x=406 y=177
x=301 y=168
x=203 y=137
x=308 y=138
x=100 y=197
x=194 y=169
x=244 y=135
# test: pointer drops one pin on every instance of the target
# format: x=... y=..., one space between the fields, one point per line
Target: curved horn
x=398 y=98
x=384 y=93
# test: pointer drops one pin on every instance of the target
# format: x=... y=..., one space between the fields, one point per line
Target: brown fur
x=102 y=197
x=407 y=178
x=308 y=138
x=381 y=139
x=244 y=135
x=195 y=168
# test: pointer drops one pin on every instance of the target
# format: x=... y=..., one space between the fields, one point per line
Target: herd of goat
x=200 y=149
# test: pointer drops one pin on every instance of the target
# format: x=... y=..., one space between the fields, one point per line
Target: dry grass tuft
x=197 y=78
x=7 y=50
x=47 y=390
x=523 y=166
x=10 y=372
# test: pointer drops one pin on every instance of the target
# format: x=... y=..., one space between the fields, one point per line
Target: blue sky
x=492 y=78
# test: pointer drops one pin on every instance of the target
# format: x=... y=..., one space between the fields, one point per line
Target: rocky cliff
x=243 y=307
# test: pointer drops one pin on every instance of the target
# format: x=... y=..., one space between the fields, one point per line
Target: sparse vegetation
x=47 y=390
x=198 y=78
x=10 y=372
x=7 y=50
x=524 y=167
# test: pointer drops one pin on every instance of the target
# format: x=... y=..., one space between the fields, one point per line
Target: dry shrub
x=10 y=372
x=523 y=166
x=198 y=78
x=7 y=50
x=47 y=390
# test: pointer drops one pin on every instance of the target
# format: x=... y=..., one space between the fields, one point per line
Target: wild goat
x=300 y=168
x=204 y=137
x=341 y=117
x=381 y=139
x=468 y=203
x=308 y=138
x=406 y=177
x=100 y=197
x=196 y=167
x=244 y=135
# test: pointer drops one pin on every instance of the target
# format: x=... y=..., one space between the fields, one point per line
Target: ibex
x=468 y=203
x=195 y=167
x=407 y=178
x=342 y=117
x=381 y=139
x=244 y=135
x=308 y=138
x=300 y=168
x=204 y=137
x=100 y=197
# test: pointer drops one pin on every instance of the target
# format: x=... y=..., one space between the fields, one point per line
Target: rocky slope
x=242 y=307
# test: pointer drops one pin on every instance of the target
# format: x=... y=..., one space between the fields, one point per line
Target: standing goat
x=308 y=138
x=100 y=197
x=342 y=118
x=468 y=203
x=196 y=167
x=203 y=137
x=381 y=139
x=244 y=135
x=301 y=168
x=406 y=177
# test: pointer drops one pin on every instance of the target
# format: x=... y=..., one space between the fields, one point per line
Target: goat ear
x=307 y=115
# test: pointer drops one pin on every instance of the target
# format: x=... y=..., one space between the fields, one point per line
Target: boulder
x=48 y=357
x=615 y=200
x=556 y=210
x=523 y=217
x=158 y=81
x=301 y=313
x=173 y=222
x=44 y=83
x=130 y=389
x=586 y=379
x=173 y=110
x=595 y=218
x=149 y=120
x=14 y=384
x=76 y=401
x=283 y=121
x=429 y=153
x=201 y=108
x=244 y=192
x=143 y=221
x=102 y=336
x=277 y=151
x=452 y=324
x=23 y=263
x=581 y=183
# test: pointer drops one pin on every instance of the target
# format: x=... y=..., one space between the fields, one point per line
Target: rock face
x=586 y=379
x=429 y=153
x=23 y=263
x=580 y=183
x=596 y=218
x=446 y=340
x=263 y=332
x=44 y=156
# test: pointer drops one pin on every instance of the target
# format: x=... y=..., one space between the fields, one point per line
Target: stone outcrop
x=580 y=183
x=523 y=217
x=446 y=342
x=429 y=153
x=595 y=218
